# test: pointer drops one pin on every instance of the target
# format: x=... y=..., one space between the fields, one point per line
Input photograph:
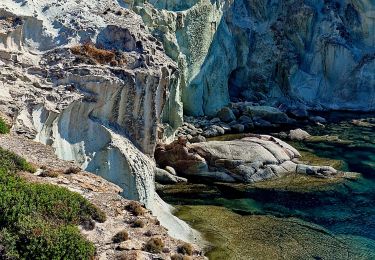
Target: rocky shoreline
x=108 y=85
x=201 y=151
x=140 y=226
x=243 y=117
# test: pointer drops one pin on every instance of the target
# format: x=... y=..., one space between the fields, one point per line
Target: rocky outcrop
x=251 y=159
x=303 y=53
x=89 y=80
x=104 y=195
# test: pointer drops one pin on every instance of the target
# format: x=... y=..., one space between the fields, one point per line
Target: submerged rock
x=261 y=236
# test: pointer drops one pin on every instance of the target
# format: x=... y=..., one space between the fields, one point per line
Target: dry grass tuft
x=138 y=223
x=121 y=236
x=154 y=245
x=135 y=208
x=185 y=249
x=49 y=173
x=99 y=55
x=72 y=170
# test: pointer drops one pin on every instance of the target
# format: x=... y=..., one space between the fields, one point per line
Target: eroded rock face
x=104 y=195
x=298 y=52
x=100 y=104
x=86 y=78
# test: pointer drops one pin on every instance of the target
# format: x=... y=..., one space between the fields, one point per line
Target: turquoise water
x=345 y=208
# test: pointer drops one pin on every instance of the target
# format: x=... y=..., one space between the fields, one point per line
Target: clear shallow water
x=343 y=208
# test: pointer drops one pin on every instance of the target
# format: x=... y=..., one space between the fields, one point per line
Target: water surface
x=297 y=217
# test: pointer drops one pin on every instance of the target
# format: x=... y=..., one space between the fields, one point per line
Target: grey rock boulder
x=249 y=159
x=165 y=177
x=171 y=170
x=318 y=171
x=238 y=128
x=226 y=115
x=270 y=114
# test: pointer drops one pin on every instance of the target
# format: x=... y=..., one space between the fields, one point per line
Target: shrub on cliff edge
x=4 y=128
x=39 y=221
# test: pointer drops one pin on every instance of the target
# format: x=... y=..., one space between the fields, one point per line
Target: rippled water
x=344 y=209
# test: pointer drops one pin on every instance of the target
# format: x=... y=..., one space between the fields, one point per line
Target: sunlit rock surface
x=89 y=80
x=319 y=54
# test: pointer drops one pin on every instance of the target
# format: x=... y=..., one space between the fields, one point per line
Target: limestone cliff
x=318 y=54
x=89 y=80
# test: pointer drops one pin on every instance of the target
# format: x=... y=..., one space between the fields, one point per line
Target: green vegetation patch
x=4 y=128
x=39 y=221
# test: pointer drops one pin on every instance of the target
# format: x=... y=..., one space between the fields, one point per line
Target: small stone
x=129 y=245
x=226 y=127
x=245 y=119
x=213 y=131
x=164 y=177
x=283 y=135
x=262 y=123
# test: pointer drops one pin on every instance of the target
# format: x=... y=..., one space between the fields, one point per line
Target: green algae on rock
x=266 y=237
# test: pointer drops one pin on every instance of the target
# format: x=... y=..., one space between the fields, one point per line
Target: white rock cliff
x=88 y=79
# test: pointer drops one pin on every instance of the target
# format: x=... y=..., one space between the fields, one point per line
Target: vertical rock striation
x=89 y=80
x=310 y=53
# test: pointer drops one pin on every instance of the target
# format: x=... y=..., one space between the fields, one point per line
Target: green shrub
x=39 y=221
x=14 y=163
x=4 y=128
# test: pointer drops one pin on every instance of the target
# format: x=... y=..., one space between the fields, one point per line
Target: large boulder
x=178 y=156
x=226 y=115
x=250 y=159
x=267 y=113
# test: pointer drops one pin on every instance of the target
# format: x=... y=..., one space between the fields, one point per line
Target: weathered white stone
x=298 y=134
